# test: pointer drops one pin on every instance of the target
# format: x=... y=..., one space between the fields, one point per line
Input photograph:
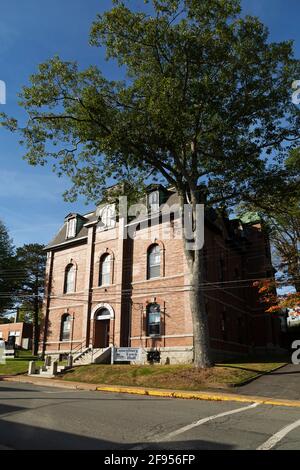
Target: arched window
x=69 y=285
x=153 y=261
x=153 y=319
x=65 y=330
x=105 y=270
x=102 y=314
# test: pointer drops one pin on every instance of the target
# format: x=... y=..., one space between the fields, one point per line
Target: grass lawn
x=16 y=366
x=176 y=377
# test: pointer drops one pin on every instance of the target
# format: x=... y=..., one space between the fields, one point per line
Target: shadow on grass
x=257 y=359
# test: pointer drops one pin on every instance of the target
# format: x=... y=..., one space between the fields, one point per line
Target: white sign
x=127 y=354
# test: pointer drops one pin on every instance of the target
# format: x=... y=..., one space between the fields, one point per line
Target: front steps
x=93 y=356
x=87 y=356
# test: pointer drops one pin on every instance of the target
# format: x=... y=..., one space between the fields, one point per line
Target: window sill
x=104 y=286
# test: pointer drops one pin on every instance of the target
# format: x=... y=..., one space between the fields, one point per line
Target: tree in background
x=273 y=302
x=32 y=258
x=9 y=271
x=206 y=99
x=285 y=237
x=279 y=206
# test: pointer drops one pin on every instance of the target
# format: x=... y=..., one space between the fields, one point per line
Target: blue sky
x=31 y=32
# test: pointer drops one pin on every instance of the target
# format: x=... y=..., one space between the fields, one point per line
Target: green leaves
x=207 y=97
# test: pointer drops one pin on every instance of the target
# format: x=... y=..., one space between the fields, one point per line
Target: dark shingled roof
x=211 y=217
x=60 y=237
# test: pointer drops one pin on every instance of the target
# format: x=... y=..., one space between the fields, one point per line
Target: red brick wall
x=236 y=318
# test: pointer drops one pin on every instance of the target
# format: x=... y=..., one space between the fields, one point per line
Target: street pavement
x=34 y=417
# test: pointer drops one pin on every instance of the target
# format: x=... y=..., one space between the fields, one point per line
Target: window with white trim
x=105 y=270
x=153 y=262
x=65 y=333
x=153 y=201
x=153 y=319
x=69 y=285
x=71 y=228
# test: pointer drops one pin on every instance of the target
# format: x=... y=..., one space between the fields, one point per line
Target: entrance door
x=101 y=338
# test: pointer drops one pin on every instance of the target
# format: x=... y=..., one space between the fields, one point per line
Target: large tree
x=205 y=98
x=32 y=258
x=10 y=272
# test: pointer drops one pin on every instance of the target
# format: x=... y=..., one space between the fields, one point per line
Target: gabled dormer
x=74 y=224
x=156 y=196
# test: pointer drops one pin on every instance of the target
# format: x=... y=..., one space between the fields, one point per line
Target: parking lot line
x=270 y=443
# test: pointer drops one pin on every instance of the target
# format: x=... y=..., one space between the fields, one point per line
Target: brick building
x=113 y=281
x=22 y=332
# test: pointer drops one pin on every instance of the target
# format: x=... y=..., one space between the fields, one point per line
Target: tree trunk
x=202 y=354
x=195 y=261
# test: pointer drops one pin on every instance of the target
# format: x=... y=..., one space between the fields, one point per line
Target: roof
x=212 y=218
x=60 y=237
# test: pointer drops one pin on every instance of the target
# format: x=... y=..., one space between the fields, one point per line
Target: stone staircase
x=46 y=371
x=82 y=356
x=85 y=357
x=92 y=356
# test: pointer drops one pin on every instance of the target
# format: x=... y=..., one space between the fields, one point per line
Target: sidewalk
x=185 y=394
x=283 y=383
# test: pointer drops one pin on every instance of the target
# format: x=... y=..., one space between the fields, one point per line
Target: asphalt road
x=33 y=417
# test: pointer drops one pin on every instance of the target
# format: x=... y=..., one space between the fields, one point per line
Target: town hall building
x=112 y=282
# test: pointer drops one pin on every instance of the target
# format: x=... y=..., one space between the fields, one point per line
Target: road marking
x=205 y=420
x=196 y=424
x=270 y=443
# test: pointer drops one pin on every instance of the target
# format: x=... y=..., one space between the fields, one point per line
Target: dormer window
x=71 y=227
x=108 y=217
x=153 y=201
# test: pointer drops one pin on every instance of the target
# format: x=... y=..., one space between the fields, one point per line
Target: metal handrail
x=79 y=348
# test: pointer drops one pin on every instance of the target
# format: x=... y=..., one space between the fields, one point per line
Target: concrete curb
x=208 y=396
x=151 y=392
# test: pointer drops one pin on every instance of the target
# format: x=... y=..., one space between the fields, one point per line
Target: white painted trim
x=163 y=278
x=105 y=286
x=188 y=335
x=103 y=305
x=64 y=306
x=62 y=342
x=69 y=241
